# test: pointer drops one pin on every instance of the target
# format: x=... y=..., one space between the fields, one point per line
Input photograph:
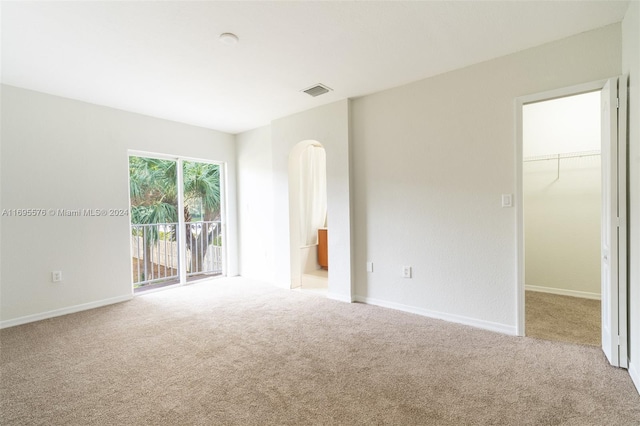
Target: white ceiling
x=164 y=59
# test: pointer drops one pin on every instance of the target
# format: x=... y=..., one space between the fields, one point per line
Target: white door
x=614 y=262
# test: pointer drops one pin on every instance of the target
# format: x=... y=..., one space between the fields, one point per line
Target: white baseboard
x=64 y=311
x=635 y=376
x=485 y=325
x=339 y=297
x=563 y=292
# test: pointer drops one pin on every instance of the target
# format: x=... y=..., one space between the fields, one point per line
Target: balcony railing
x=204 y=248
x=155 y=252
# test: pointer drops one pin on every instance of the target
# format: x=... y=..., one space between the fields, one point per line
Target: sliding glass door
x=177 y=221
x=203 y=219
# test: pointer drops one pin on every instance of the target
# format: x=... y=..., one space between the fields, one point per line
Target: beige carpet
x=563 y=318
x=232 y=352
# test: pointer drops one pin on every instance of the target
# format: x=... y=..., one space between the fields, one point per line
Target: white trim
x=519 y=103
x=173 y=157
x=623 y=222
x=635 y=376
x=155 y=290
x=563 y=92
x=175 y=286
x=520 y=314
x=485 y=325
x=155 y=155
x=563 y=292
x=339 y=297
x=182 y=237
x=222 y=182
x=64 y=311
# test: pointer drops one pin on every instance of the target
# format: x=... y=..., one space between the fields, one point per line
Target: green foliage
x=202 y=187
x=154 y=194
x=154 y=199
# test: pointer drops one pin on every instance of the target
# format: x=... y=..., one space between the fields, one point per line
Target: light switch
x=507 y=200
x=369 y=266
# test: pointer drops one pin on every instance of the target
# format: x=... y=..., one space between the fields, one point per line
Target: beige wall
x=61 y=153
x=431 y=160
x=562 y=226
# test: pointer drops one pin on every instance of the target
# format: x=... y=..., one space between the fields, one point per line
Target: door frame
x=180 y=159
x=622 y=155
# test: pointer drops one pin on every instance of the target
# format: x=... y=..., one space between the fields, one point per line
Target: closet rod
x=561 y=156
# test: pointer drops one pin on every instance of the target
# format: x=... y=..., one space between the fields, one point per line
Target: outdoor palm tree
x=154 y=194
x=201 y=188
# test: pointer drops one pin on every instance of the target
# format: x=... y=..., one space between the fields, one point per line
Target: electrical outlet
x=406 y=272
x=56 y=276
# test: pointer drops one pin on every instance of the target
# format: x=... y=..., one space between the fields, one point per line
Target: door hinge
x=618 y=103
x=618 y=343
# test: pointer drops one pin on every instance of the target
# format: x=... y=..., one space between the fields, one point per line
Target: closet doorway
x=562 y=208
x=308 y=217
x=553 y=198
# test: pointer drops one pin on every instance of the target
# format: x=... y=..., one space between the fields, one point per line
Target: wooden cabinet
x=323 y=258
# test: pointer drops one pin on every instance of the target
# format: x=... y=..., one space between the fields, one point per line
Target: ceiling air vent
x=317 y=90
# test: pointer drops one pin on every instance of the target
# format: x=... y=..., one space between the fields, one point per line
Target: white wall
x=263 y=195
x=431 y=160
x=255 y=205
x=61 y=153
x=328 y=125
x=562 y=207
x=631 y=65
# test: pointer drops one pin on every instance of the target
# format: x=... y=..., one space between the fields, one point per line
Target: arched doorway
x=308 y=215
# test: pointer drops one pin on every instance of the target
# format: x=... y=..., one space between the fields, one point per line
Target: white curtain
x=313 y=194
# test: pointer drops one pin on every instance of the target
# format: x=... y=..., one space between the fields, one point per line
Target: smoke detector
x=317 y=90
